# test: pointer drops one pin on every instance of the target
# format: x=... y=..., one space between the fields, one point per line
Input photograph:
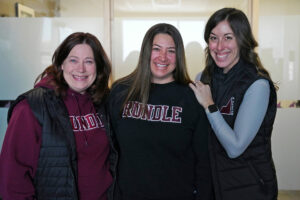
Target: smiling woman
x=58 y=131
x=239 y=97
x=162 y=140
x=79 y=68
x=223 y=46
x=163 y=59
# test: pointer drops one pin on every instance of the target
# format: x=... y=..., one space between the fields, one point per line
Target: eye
x=228 y=37
x=90 y=62
x=171 y=51
x=212 y=38
x=72 y=60
x=155 y=49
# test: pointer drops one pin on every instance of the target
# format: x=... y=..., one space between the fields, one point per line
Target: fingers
x=193 y=86
x=198 y=84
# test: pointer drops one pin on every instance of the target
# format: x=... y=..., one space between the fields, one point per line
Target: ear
x=62 y=67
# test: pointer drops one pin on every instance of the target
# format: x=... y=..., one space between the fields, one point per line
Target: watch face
x=212 y=108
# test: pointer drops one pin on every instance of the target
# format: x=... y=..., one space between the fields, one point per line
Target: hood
x=45 y=82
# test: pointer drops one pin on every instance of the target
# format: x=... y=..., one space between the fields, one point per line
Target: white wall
x=286 y=151
x=279 y=48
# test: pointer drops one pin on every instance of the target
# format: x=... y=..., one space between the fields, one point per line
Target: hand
x=202 y=93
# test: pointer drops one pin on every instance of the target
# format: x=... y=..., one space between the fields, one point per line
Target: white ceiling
x=169 y=6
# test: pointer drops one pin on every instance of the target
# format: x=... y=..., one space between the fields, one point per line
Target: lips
x=80 y=78
x=161 y=66
x=222 y=56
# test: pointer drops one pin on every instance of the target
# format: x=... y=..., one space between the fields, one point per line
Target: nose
x=163 y=55
x=81 y=67
x=220 y=45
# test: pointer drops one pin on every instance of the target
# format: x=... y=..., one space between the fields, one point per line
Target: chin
x=222 y=65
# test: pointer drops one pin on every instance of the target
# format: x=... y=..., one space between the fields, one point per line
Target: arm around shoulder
x=249 y=118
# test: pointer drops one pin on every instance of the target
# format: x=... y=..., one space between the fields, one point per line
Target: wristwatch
x=212 y=108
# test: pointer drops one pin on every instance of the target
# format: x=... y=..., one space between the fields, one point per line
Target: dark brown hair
x=241 y=28
x=99 y=89
x=139 y=81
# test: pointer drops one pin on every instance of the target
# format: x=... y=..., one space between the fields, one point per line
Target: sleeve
x=248 y=121
x=112 y=107
x=198 y=76
x=19 y=154
x=203 y=178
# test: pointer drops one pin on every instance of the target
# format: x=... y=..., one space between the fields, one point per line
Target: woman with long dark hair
x=240 y=102
x=162 y=140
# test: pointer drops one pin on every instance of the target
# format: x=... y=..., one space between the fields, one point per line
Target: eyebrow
x=78 y=57
x=224 y=34
x=161 y=46
x=90 y=58
x=72 y=57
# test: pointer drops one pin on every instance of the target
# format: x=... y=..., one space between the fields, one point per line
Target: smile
x=80 y=78
x=161 y=65
x=222 y=56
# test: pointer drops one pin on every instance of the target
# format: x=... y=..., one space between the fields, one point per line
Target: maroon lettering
x=157 y=113
x=126 y=111
x=136 y=110
x=165 y=118
x=147 y=114
x=175 y=114
x=91 y=122
x=152 y=112
x=74 y=123
x=87 y=122
x=78 y=122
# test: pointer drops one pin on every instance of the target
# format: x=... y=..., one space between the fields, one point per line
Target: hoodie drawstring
x=81 y=120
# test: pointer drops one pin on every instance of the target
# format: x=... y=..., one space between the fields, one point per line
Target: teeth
x=221 y=56
x=160 y=65
x=80 y=77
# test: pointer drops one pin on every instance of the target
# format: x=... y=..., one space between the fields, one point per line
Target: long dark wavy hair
x=241 y=28
x=100 y=88
x=139 y=81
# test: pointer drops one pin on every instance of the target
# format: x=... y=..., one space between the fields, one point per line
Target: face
x=223 y=46
x=79 y=68
x=163 y=59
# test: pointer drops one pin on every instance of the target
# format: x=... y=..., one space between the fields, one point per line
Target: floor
x=289 y=195
x=285 y=195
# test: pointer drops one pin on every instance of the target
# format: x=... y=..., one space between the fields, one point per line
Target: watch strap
x=212 y=108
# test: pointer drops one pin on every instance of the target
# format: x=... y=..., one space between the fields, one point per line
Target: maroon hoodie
x=20 y=151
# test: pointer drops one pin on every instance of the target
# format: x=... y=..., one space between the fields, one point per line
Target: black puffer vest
x=56 y=175
x=251 y=176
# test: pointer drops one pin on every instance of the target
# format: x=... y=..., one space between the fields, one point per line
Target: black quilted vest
x=56 y=174
x=252 y=175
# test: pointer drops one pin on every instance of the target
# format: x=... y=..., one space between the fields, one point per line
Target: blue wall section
x=3 y=124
